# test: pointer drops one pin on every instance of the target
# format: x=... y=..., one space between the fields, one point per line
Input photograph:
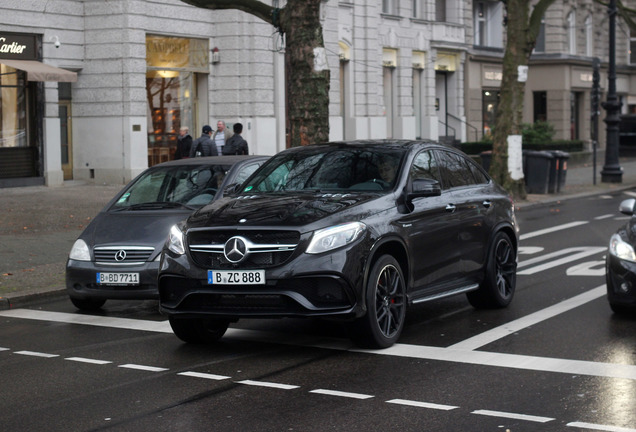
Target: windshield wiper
x=156 y=205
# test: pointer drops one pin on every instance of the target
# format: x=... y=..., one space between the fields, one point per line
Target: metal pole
x=612 y=171
x=596 y=96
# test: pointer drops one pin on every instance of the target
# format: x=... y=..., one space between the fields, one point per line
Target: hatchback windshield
x=363 y=169
x=172 y=187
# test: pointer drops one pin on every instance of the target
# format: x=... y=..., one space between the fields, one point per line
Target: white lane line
x=87 y=360
x=511 y=327
x=69 y=318
x=571 y=254
x=36 y=354
x=422 y=404
x=204 y=375
x=630 y=193
x=268 y=384
x=599 y=427
x=341 y=394
x=606 y=216
x=551 y=229
x=142 y=367
x=4 y=349
x=514 y=416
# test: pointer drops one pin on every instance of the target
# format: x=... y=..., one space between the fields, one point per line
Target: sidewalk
x=38 y=226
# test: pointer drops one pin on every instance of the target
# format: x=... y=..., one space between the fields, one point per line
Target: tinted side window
x=455 y=170
x=425 y=166
x=480 y=177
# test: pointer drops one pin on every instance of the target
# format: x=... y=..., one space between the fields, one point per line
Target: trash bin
x=486 y=157
x=538 y=166
x=561 y=168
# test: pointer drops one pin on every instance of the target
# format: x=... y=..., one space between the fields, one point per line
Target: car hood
x=276 y=210
x=148 y=228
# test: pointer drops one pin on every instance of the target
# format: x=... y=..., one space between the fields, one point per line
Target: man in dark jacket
x=184 y=143
x=204 y=144
x=236 y=145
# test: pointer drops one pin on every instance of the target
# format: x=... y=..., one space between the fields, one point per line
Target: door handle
x=450 y=208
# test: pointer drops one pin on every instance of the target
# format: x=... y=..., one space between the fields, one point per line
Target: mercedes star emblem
x=120 y=255
x=235 y=249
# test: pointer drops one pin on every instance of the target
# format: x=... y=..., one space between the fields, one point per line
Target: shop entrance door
x=66 y=140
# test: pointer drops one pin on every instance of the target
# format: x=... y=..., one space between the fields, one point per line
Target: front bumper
x=81 y=281
x=621 y=281
x=308 y=285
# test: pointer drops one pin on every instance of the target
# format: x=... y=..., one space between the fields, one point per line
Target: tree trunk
x=308 y=73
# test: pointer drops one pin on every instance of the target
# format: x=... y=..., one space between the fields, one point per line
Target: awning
x=38 y=71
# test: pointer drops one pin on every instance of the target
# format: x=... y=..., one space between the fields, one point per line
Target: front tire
x=498 y=287
x=87 y=304
x=386 y=306
x=198 y=330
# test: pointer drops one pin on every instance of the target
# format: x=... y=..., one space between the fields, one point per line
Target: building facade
x=101 y=88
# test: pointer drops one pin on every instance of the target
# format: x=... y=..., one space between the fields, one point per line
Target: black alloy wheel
x=198 y=330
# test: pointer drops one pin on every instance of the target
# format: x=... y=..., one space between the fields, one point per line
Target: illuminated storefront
x=177 y=70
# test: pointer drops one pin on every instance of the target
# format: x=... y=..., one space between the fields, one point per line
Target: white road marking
x=142 y=367
x=4 y=349
x=422 y=404
x=571 y=254
x=511 y=327
x=268 y=384
x=599 y=427
x=590 y=268
x=341 y=394
x=36 y=354
x=513 y=416
x=551 y=229
x=630 y=193
x=204 y=375
x=606 y=216
x=529 y=250
x=69 y=318
x=87 y=360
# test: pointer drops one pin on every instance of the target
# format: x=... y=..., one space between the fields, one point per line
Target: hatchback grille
x=126 y=255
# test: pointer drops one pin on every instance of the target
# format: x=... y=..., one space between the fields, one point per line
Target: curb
x=22 y=300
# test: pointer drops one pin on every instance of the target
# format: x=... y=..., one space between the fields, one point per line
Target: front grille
x=129 y=255
x=269 y=248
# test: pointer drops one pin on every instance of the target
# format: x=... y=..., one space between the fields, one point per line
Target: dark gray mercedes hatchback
x=357 y=231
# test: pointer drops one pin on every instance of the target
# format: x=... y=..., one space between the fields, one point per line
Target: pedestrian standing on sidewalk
x=184 y=143
x=236 y=145
x=204 y=146
x=221 y=136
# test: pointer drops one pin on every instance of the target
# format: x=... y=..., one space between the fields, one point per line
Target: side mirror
x=627 y=207
x=231 y=189
x=423 y=188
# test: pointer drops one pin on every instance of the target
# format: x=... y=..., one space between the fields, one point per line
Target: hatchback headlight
x=175 y=240
x=620 y=249
x=327 y=239
x=79 y=251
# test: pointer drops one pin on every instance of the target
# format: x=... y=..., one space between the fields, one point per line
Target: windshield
x=329 y=169
x=186 y=186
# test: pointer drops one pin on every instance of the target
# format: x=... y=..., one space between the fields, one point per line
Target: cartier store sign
x=17 y=46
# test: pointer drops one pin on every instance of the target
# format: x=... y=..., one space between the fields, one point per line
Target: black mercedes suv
x=352 y=230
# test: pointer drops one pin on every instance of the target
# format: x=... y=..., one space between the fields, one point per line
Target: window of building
x=13 y=106
x=389 y=7
x=490 y=101
x=418 y=9
x=488 y=23
x=540 y=42
x=632 y=47
x=571 y=33
x=589 y=36
x=540 y=106
x=440 y=10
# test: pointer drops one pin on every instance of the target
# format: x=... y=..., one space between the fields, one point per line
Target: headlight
x=334 y=237
x=79 y=251
x=620 y=249
x=175 y=240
